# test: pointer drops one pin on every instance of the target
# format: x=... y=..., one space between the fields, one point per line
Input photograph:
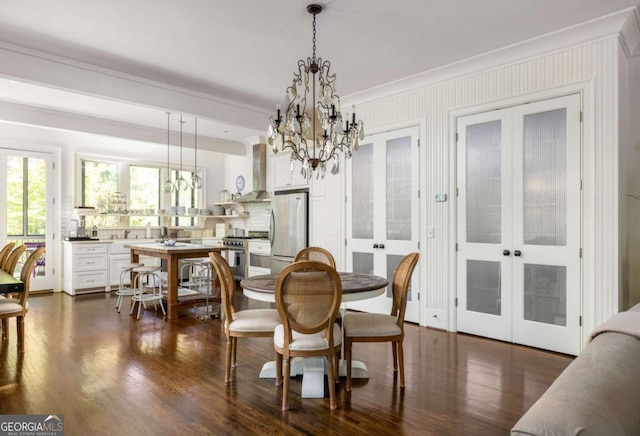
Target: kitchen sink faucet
x=126 y=233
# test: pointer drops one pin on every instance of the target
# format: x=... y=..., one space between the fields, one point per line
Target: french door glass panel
x=382 y=211
x=484 y=182
x=399 y=189
x=484 y=293
x=362 y=193
x=545 y=294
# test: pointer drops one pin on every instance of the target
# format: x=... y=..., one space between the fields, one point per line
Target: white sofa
x=599 y=392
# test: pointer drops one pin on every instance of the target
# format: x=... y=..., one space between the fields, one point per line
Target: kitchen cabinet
x=259 y=258
x=280 y=175
x=120 y=257
x=86 y=267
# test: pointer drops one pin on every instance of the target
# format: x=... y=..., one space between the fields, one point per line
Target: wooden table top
x=352 y=283
x=158 y=247
x=8 y=283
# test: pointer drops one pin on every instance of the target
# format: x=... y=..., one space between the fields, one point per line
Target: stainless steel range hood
x=259 y=192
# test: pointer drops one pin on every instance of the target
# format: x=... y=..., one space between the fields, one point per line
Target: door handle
x=376 y=246
x=506 y=252
x=517 y=253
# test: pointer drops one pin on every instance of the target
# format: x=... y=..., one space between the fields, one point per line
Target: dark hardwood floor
x=110 y=374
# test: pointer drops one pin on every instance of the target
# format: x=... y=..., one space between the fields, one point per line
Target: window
x=26 y=196
x=144 y=187
x=99 y=181
x=141 y=187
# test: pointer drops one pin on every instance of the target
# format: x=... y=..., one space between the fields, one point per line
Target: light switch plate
x=441 y=197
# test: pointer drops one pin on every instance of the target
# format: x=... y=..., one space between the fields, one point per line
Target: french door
x=382 y=212
x=518 y=224
x=27 y=219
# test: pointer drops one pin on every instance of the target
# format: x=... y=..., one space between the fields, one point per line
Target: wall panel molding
x=577 y=69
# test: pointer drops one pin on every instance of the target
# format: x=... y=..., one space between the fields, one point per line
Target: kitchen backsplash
x=259 y=214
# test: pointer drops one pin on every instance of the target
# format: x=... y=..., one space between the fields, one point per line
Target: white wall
x=634 y=181
x=515 y=76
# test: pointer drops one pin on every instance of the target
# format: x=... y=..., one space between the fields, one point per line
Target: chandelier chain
x=314 y=37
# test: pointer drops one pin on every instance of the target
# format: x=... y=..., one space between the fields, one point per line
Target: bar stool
x=200 y=276
x=141 y=294
x=123 y=289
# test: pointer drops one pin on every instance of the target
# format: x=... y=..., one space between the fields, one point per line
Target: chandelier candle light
x=321 y=137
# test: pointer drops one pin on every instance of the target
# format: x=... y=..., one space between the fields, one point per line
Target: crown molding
x=624 y=24
x=630 y=34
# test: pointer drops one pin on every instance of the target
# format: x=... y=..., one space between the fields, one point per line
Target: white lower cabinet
x=117 y=262
x=259 y=258
x=86 y=267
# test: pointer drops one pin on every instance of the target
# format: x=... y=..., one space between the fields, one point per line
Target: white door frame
x=53 y=226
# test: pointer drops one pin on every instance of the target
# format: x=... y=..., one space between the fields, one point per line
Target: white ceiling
x=244 y=52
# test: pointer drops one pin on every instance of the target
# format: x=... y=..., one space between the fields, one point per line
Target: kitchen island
x=172 y=255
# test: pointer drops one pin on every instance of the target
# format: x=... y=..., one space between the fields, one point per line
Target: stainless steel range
x=236 y=255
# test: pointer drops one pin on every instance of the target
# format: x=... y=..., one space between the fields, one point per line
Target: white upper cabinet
x=279 y=174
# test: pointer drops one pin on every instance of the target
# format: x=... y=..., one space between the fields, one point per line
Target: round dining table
x=355 y=287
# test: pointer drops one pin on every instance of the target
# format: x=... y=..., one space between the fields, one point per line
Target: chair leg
x=20 y=328
x=286 y=373
x=401 y=363
x=394 y=347
x=278 y=369
x=234 y=361
x=336 y=365
x=164 y=312
x=347 y=356
x=227 y=371
x=332 y=384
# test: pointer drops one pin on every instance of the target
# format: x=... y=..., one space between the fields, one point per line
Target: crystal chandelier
x=315 y=134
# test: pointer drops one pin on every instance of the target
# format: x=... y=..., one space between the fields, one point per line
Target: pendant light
x=196 y=180
x=168 y=186
x=181 y=183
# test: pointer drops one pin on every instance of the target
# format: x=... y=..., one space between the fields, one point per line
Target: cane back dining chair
x=12 y=259
x=316 y=253
x=4 y=253
x=308 y=296
x=251 y=323
x=18 y=307
x=377 y=327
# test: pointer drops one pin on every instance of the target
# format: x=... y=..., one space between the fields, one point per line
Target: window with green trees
x=26 y=196
x=141 y=186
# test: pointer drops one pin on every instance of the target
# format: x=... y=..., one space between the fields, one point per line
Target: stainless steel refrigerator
x=289 y=227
